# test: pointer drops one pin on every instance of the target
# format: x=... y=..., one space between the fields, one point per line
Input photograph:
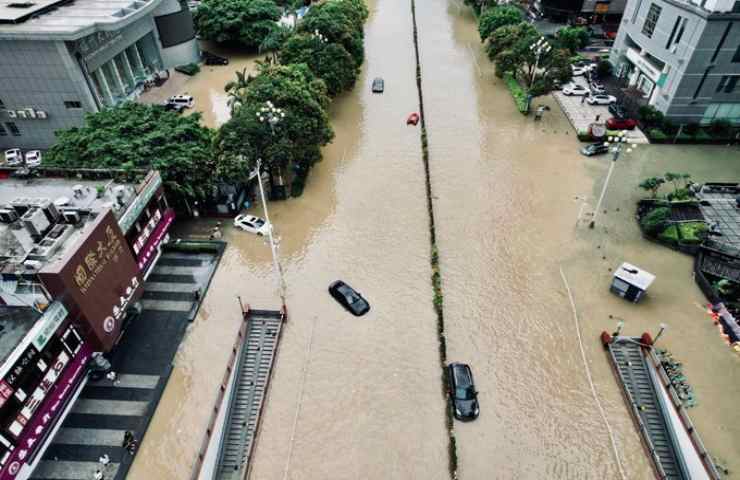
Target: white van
x=13 y=157
x=184 y=100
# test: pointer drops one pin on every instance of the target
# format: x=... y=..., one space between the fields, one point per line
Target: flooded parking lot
x=361 y=397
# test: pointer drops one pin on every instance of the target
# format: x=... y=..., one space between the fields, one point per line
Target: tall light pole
x=272 y=116
x=540 y=47
x=616 y=143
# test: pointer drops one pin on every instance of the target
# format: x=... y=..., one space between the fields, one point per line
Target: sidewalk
x=143 y=362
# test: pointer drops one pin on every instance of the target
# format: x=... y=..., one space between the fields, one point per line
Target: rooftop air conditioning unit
x=40 y=114
x=119 y=191
x=8 y=215
x=71 y=216
x=11 y=113
x=32 y=264
x=78 y=191
x=50 y=210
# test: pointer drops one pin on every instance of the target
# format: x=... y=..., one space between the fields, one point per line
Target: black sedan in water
x=595 y=149
x=349 y=298
x=463 y=397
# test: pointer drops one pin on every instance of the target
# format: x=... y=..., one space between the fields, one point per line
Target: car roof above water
x=463 y=375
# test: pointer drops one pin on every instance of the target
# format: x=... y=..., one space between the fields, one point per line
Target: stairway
x=630 y=361
x=248 y=391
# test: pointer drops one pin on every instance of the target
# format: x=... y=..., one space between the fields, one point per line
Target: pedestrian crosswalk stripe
x=68 y=470
x=110 y=407
x=90 y=436
x=129 y=380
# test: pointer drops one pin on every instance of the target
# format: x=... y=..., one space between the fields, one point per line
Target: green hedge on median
x=519 y=94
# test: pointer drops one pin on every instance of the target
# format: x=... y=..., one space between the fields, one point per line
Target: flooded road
x=361 y=397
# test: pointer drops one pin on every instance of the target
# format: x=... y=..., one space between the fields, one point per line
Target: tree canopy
x=504 y=38
x=572 y=38
x=246 y=22
x=339 y=21
x=295 y=140
x=328 y=61
x=142 y=136
x=497 y=17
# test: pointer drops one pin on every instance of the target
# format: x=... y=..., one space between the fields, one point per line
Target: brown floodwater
x=361 y=397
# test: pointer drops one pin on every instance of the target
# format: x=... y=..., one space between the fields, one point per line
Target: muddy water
x=360 y=398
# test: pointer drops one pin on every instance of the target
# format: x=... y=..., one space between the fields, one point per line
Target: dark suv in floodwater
x=463 y=397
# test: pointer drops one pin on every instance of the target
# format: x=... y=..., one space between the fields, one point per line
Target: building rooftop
x=15 y=323
x=41 y=218
x=68 y=19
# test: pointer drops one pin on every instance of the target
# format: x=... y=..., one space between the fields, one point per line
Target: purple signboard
x=46 y=414
x=147 y=253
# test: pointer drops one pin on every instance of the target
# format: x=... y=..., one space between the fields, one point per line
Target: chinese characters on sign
x=98 y=258
x=109 y=324
x=53 y=317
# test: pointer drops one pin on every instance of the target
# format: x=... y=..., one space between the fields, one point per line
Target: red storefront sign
x=28 y=442
x=146 y=255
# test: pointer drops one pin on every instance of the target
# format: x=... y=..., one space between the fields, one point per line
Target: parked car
x=601 y=99
x=213 y=59
x=575 y=89
x=378 y=85
x=463 y=397
x=595 y=149
x=578 y=70
x=349 y=298
x=33 y=158
x=174 y=107
x=252 y=224
x=617 y=110
x=186 y=101
x=597 y=88
x=13 y=157
x=621 y=123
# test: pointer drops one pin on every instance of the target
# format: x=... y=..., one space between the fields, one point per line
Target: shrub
x=656 y=134
x=670 y=234
x=679 y=195
x=692 y=232
x=584 y=135
x=702 y=135
x=720 y=128
x=189 y=69
x=655 y=220
x=691 y=129
x=651 y=117
x=519 y=94
x=669 y=128
x=604 y=69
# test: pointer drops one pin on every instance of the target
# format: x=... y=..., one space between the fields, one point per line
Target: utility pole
x=617 y=141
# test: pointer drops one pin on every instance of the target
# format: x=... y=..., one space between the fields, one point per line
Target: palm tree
x=235 y=88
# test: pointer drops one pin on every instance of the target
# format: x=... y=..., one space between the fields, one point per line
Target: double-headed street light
x=272 y=116
x=615 y=143
x=540 y=47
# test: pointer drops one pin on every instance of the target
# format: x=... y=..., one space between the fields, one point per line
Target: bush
x=519 y=94
x=655 y=220
x=657 y=135
x=669 y=235
x=189 y=69
x=669 y=128
x=584 y=135
x=720 y=128
x=246 y=22
x=651 y=117
x=679 y=195
x=692 y=232
x=702 y=135
x=604 y=69
x=691 y=129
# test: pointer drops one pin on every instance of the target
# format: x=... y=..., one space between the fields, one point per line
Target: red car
x=621 y=123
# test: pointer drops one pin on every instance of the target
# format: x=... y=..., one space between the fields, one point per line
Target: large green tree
x=295 y=140
x=246 y=22
x=504 y=38
x=135 y=136
x=339 y=21
x=497 y=17
x=328 y=61
x=572 y=38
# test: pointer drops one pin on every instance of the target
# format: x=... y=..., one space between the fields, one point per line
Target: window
x=651 y=20
x=72 y=105
x=722 y=83
x=735 y=58
x=13 y=128
x=730 y=87
x=2 y=105
x=680 y=31
x=673 y=32
x=3 y=132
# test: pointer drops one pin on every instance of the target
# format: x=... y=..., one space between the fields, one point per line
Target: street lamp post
x=272 y=116
x=540 y=47
x=617 y=142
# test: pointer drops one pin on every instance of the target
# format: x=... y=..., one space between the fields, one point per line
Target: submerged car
x=33 y=158
x=463 y=397
x=575 y=89
x=213 y=59
x=378 y=85
x=595 y=149
x=349 y=298
x=252 y=224
x=601 y=100
x=13 y=157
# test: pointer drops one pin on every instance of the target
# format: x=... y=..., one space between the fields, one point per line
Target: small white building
x=631 y=282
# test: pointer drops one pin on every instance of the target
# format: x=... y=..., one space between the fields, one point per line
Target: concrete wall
x=184 y=53
x=42 y=76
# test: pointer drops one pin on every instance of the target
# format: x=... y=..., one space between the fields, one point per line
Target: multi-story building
x=62 y=58
x=683 y=57
x=73 y=258
x=591 y=11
